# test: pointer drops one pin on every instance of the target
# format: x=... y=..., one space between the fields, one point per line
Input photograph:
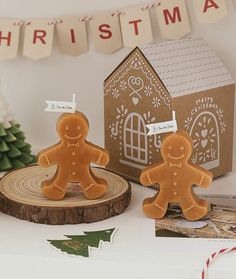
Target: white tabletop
x=134 y=253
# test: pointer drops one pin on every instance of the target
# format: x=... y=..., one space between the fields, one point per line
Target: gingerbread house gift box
x=185 y=76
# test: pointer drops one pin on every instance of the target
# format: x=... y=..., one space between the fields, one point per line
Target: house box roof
x=187 y=66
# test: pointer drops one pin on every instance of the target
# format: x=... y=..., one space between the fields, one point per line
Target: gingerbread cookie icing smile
x=73 y=156
x=176 y=177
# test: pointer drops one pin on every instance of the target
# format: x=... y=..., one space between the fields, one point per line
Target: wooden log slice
x=21 y=197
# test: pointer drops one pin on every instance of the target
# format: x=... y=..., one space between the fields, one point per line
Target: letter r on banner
x=38 y=39
x=173 y=19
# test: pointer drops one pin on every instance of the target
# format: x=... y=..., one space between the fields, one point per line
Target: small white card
x=163 y=127
x=57 y=106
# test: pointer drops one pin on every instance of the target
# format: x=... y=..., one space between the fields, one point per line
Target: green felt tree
x=79 y=244
x=14 y=151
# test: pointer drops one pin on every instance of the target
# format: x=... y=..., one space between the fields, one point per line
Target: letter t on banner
x=173 y=19
x=210 y=11
x=106 y=32
x=38 y=39
x=9 y=39
x=136 y=26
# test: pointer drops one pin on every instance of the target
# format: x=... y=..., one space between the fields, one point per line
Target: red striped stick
x=212 y=257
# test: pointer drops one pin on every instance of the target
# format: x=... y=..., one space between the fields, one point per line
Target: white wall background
x=27 y=84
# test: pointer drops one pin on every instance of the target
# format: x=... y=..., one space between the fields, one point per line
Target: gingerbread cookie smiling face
x=73 y=156
x=72 y=127
x=176 y=177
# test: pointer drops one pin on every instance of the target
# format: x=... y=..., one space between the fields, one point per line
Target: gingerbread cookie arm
x=151 y=175
x=99 y=155
x=201 y=177
x=47 y=157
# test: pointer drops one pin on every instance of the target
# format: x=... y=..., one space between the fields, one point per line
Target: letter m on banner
x=173 y=19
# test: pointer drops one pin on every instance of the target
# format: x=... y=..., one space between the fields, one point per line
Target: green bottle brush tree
x=14 y=151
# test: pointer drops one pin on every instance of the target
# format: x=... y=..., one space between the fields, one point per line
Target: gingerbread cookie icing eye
x=181 y=148
x=170 y=147
x=67 y=128
x=78 y=128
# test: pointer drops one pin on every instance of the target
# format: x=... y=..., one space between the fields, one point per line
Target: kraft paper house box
x=185 y=76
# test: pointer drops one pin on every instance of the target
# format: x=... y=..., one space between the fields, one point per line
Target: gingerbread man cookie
x=176 y=178
x=73 y=156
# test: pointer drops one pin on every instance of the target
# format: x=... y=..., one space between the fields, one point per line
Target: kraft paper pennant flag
x=136 y=26
x=38 y=39
x=210 y=11
x=173 y=19
x=106 y=32
x=9 y=38
x=72 y=35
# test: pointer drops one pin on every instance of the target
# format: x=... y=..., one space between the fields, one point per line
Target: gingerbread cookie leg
x=193 y=209
x=91 y=188
x=155 y=207
x=99 y=180
x=51 y=180
x=56 y=190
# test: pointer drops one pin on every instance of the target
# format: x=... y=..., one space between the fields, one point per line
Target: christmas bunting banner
x=110 y=30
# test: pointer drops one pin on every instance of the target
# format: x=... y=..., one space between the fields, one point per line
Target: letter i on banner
x=210 y=11
x=9 y=38
x=173 y=19
x=106 y=32
x=38 y=39
x=136 y=26
x=72 y=35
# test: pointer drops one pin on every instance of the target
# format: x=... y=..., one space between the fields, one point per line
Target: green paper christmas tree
x=14 y=151
x=79 y=244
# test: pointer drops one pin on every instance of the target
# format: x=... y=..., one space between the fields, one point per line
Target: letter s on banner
x=210 y=11
x=9 y=38
x=72 y=35
x=38 y=39
x=106 y=32
x=136 y=26
x=173 y=19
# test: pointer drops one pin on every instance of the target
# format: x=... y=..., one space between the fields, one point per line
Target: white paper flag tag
x=136 y=26
x=162 y=127
x=210 y=11
x=38 y=39
x=106 y=32
x=72 y=35
x=173 y=19
x=57 y=106
x=9 y=38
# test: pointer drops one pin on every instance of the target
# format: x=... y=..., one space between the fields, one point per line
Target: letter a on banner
x=72 y=35
x=38 y=39
x=173 y=19
x=9 y=39
x=106 y=32
x=136 y=26
x=210 y=11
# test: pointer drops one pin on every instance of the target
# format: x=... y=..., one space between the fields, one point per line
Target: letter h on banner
x=9 y=39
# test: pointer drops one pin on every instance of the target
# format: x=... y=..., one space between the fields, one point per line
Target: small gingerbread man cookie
x=176 y=178
x=73 y=156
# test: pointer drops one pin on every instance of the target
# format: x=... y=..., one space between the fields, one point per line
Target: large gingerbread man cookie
x=73 y=156
x=176 y=177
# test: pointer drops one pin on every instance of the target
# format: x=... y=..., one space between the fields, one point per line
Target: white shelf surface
x=134 y=253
